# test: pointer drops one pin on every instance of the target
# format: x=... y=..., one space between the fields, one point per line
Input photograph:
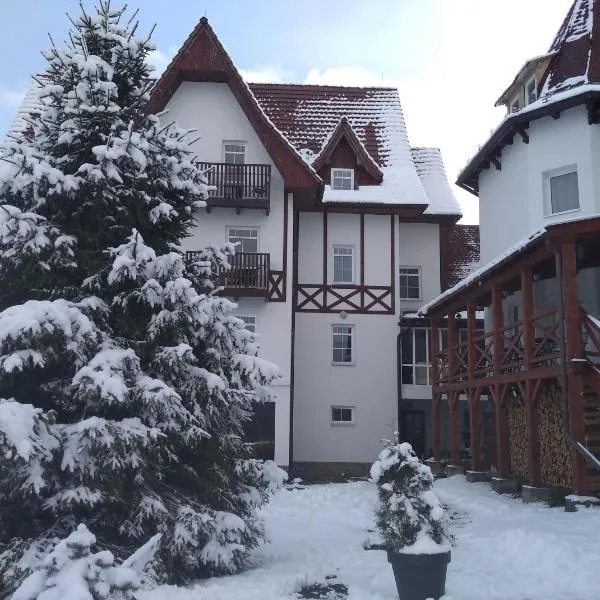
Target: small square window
x=342 y=179
x=246 y=239
x=342 y=345
x=563 y=190
x=250 y=322
x=234 y=153
x=410 y=283
x=343 y=264
x=531 y=90
x=342 y=415
x=515 y=105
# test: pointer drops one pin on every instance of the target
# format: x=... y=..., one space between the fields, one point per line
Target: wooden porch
x=537 y=363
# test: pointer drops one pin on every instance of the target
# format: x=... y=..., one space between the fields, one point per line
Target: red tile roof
x=459 y=254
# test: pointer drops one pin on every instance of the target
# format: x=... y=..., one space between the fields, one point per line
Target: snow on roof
x=31 y=105
x=430 y=168
x=308 y=114
x=459 y=255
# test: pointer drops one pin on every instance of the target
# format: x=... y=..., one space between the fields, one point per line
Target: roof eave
x=512 y=125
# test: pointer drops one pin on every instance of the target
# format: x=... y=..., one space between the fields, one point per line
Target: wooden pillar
x=574 y=350
x=474 y=424
x=434 y=349
x=499 y=390
x=530 y=398
x=453 y=395
x=454 y=428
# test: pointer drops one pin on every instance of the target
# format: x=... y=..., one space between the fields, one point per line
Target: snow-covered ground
x=505 y=549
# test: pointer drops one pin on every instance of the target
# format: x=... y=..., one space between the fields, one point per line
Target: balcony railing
x=238 y=186
x=248 y=274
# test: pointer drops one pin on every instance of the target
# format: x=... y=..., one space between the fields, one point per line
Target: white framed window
x=342 y=179
x=234 y=153
x=342 y=415
x=246 y=238
x=250 y=321
x=343 y=264
x=531 y=90
x=410 y=283
x=342 y=345
x=561 y=190
x=515 y=105
x=415 y=356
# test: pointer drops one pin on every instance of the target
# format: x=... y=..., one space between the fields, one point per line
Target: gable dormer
x=344 y=163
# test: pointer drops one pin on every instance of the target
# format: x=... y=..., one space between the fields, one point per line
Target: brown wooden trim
x=393 y=260
x=285 y=243
x=362 y=249
x=474 y=426
x=357 y=299
x=454 y=429
x=437 y=428
x=295 y=238
x=325 y=255
x=380 y=209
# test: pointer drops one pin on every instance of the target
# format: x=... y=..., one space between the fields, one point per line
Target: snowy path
x=506 y=550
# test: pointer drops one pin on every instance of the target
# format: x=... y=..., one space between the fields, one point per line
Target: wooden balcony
x=238 y=186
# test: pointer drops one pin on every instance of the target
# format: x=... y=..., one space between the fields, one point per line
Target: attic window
x=530 y=90
x=342 y=179
x=515 y=105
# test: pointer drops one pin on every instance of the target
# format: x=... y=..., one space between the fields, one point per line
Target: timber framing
x=557 y=346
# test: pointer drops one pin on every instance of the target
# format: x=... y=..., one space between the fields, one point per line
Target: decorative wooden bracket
x=523 y=133
x=496 y=162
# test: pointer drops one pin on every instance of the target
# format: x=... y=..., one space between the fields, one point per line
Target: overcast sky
x=450 y=59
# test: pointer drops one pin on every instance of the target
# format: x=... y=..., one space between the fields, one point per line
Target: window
x=250 y=322
x=234 y=153
x=343 y=264
x=531 y=90
x=410 y=283
x=245 y=237
x=561 y=191
x=415 y=356
x=342 y=345
x=515 y=105
x=342 y=179
x=342 y=415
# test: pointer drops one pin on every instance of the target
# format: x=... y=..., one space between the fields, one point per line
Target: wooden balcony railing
x=248 y=274
x=238 y=186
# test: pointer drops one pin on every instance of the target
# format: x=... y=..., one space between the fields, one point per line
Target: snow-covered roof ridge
x=430 y=168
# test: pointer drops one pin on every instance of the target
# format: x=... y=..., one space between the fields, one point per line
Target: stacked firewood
x=517 y=435
x=555 y=456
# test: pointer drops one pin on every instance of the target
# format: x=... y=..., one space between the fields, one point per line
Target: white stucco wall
x=212 y=109
x=512 y=200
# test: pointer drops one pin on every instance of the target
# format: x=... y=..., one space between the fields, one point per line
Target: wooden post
x=474 y=424
x=453 y=396
x=433 y=349
x=454 y=428
x=533 y=444
x=574 y=350
x=499 y=391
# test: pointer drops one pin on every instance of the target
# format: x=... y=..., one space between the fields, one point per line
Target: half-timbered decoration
x=520 y=396
x=338 y=224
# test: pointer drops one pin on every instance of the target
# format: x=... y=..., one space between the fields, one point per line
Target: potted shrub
x=412 y=523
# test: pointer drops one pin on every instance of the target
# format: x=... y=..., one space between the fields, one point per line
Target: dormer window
x=515 y=105
x=531 y=90
x=342 y=179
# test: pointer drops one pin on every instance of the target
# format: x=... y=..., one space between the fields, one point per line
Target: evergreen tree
x=126 y=381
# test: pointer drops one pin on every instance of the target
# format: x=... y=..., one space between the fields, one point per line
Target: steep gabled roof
x=430 y=168
x=459 y=254
x=576 y=49
x=203 y=58
x=344 y=130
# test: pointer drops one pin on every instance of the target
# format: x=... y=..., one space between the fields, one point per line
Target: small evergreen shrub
x=410 y=517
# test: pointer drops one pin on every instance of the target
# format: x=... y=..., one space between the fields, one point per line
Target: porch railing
x=238 y=185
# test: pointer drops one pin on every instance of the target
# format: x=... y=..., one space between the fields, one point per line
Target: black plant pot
x=419 y=576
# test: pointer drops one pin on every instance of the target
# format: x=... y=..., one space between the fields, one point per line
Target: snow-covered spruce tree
x=409 y=513
x=126 y=382
x=72 y=572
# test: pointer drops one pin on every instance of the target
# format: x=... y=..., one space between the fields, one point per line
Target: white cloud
x=11 y=98
x=351 y=76
x=264 y=75
x=159 y=59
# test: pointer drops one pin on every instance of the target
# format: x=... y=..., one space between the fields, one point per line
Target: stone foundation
x=477 y=476
x=324 y=472
x=530 y=493
x=505 y=486
x=454 y=470
x=574 y=503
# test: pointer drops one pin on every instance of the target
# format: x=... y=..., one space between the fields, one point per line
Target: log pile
x=517 y=435
x=555 y=456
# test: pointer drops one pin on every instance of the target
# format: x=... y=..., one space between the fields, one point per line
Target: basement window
x=342 y=415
